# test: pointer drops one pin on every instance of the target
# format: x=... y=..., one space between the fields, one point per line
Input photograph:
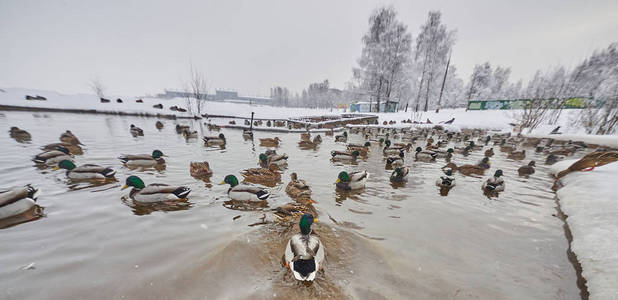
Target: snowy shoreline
x=589 y=202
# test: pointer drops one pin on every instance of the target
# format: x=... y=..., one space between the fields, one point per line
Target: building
x=220 y=95
x=364 y=106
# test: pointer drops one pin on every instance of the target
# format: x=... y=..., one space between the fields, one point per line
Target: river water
x=382 y=243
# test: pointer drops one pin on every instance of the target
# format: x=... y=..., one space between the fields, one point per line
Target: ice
x=590 y=201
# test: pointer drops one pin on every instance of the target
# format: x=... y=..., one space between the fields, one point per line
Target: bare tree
x=97 y=87
x=197 y=89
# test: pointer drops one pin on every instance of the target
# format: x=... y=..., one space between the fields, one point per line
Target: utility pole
x=444 y=81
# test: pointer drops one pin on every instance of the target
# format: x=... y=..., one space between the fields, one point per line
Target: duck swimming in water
x=304 y=252
x=400 y=175
x=85 y=172
x=53 y=157
x=143 y=160
x=155 y=192
x=448 y=180
x=15 y=201
x=495 y=183
x=351 y=181
x=244 y=192
x=527 y=169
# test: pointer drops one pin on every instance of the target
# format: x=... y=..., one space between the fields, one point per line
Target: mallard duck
x=518 y=155
x=464 y=151
x=342 y=138
x=344 y=155
x=87 y=171
x=215 y=140
x=424 y=156
x=406 y=147
x=489 y=152
x=507 y=148
x=527 y=169
x=495 y=183
x=143 y=160
x=15 y=201
x=188 y=134
x=304 y=252
x=265 y=176
x=400 y=174
x=155 y=192
x=19 y=135
x=447 y=181
x=70 y=138
x=297 y=188
x=484 y=163
x=73 y=149
x=352 y=181
x=247 y=134
x=53 y=157
x=273 y=158
x=445 y=154
x=270 y=142
x=181 y=128
x=552 y=159
x=388 y=151
x=470 y=169
x=474 y=146
x=136 y=131
x=395 y=161
x=362 y=149
x=310 y=144
x=244 y=192
x=305 y=136
x=200 y=169
x=159 y=125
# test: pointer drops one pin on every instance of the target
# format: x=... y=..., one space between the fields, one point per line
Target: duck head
x=157 y=154
x=135 y=182
x=498 y=173
x=367 y=144
x=65 y=164
x=532 y=163
x=387 y=143
x=231 y=180
x=343 y=177
x=419 y=149
x=450 y=150
x=293 y=176
x=305 y=223
x=448 y=171
x=399 y=172
x=221 y=136
x=263 y=158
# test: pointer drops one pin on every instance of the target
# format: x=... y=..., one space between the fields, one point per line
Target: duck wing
x=135 y=157
x=358 y=176
x=13 y=195
x=89 y=168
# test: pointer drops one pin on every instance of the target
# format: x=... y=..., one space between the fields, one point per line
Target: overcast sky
x=138 y=47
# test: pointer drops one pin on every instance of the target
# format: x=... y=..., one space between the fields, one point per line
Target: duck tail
x=123 y=159
x=182 y=192
x=109 y=172
x=262 y=195
x=38 y=160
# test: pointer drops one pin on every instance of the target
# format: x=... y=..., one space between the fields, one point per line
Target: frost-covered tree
x=280 y=96
x=97 y=87
x=479 y=86
x=387 y=47
x=433 y=45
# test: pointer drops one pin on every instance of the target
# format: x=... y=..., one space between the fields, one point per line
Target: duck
x=155 y=192
x=400 y=174
x=200 y=170
x=517 y=155
x=447 y=181
x=297 y=188
x=388 y=151
x=552 y=159
x=265 y=176
x=247 y=134
x=495 y=183
x=407 y=146
x=70 y=138
x=424 y=156
x=362 y=149
x=465 y=151
x=527 y=169
x=143 y=160
x=305 y=136
x=19 y=134
x=304 y=252
x=53 y=157
x=188 y=134
x=352 y=181
x=468 y=169
x=474 y=146
x=342 y=138
x=215 y=140
x=86 y=172
x=310 y=144
x=136 y=131
x=181 y=128
x=244 y=192
x=17 y=200
x=268 y=158
x=270 y=142
x=448 y=154
x=507 y=148
x=484 y=163
x=395 y=161
x=489 y=152
x=344 y=155
x=73 y=149
x=159 y=125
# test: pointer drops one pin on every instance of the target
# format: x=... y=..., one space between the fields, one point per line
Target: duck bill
x=222 y=182
x=56 y=168
x=124 y=187
x=338 y=180
x=315 y=220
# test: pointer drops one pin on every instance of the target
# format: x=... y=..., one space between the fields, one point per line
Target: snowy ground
x=589 y=200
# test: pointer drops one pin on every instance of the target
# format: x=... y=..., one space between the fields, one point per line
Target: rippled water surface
x=384 y=242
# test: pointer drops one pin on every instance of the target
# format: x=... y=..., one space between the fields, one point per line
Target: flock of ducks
x=304 y=253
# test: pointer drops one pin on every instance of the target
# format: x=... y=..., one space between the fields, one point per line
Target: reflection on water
x=408 y=241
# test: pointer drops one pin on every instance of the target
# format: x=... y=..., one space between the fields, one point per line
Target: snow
x=606 y=140
x=589 y=200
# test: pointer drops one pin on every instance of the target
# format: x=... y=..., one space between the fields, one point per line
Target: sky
x=139 y=47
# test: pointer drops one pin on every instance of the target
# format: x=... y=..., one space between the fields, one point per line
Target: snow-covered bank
x=15 y=97
x=590 y=201
x=605 y=140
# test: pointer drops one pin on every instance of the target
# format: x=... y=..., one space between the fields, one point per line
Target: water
x=384 y=242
